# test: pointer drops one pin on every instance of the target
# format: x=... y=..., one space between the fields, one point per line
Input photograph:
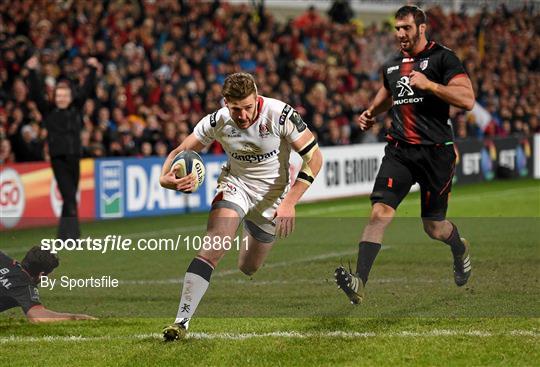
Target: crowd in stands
x=162 y=64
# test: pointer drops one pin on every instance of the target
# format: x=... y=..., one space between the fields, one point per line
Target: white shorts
x=256 y=206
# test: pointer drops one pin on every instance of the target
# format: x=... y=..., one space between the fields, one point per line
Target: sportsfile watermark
x=122 y=243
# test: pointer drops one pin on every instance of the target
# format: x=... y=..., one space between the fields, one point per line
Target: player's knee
x=381 y=214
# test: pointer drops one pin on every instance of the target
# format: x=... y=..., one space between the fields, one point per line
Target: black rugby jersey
x=16 y=286
x=420 y=117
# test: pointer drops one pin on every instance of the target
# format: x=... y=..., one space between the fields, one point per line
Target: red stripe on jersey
x=407 y=112
x=390 y=182
x=460 y=75
x=260 y=102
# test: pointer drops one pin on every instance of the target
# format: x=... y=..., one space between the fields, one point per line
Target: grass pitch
x=290 y=312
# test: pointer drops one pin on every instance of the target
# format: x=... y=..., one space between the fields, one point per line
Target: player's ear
x=422 y=29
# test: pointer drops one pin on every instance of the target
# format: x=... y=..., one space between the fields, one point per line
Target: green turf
x=413 y=313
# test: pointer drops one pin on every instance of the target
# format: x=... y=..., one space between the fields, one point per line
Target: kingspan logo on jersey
x=405 y=90
x=254 y=158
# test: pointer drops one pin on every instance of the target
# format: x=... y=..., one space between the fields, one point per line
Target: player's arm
x=168 y=178
x=307 y=147
x=381 y=103
x=40 y=314
x=459 y=91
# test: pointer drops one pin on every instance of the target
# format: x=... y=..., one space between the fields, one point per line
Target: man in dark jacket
x=63 y=121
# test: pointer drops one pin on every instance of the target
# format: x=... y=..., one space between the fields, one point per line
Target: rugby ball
x=188 y=162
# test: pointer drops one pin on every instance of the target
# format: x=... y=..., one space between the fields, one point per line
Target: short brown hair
x=37 y=260
x=238 y=86
x=417 y=13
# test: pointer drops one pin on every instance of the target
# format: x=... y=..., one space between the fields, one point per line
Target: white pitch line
x=286 y=282
x=277 y=334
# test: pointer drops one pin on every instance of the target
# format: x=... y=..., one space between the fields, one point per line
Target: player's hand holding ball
x=186 y=173
x=366 y=120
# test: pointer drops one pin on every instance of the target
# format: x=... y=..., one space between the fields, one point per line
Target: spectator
x=63 y=122
x=341 y=11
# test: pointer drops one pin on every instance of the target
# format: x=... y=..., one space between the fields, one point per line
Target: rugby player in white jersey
x=257 y=134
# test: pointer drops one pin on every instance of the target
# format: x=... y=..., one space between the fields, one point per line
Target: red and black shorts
x=432 y=166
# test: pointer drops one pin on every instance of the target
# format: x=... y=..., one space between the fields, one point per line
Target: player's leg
x=435 y=191
x=392 y=184
x=253 y=253
x=222 y=224
x=447 y=232
x=228 y=209
x=371 y=241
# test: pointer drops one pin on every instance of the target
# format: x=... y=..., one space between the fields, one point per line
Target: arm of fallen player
x=41 y=315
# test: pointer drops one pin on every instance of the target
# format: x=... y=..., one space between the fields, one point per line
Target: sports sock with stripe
x=196 y=283
x=455 y=243
x=367 y=252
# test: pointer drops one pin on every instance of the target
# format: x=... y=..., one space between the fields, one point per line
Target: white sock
x=196 y=282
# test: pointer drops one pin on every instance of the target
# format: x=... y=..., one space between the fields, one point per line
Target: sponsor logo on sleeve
x=284 y=114
x=298 y=122
x=213 y=119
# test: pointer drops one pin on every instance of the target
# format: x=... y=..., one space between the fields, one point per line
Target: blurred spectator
x=341 y=11
x=6 y=155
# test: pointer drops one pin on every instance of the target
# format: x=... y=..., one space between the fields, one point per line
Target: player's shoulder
x=272 y=105
x=218 y=117
x=275 y=109
x=391 y=63
x=16 y=275
x=5 y=259
x=439 y=48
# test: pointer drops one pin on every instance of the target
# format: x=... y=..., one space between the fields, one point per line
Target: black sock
x=455 y=243
x=367 y=252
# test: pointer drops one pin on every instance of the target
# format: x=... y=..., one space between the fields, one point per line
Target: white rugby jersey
x=259 y=154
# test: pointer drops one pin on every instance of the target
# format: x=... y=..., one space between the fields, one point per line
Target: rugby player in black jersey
x=18 y=286
x=420 y=84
